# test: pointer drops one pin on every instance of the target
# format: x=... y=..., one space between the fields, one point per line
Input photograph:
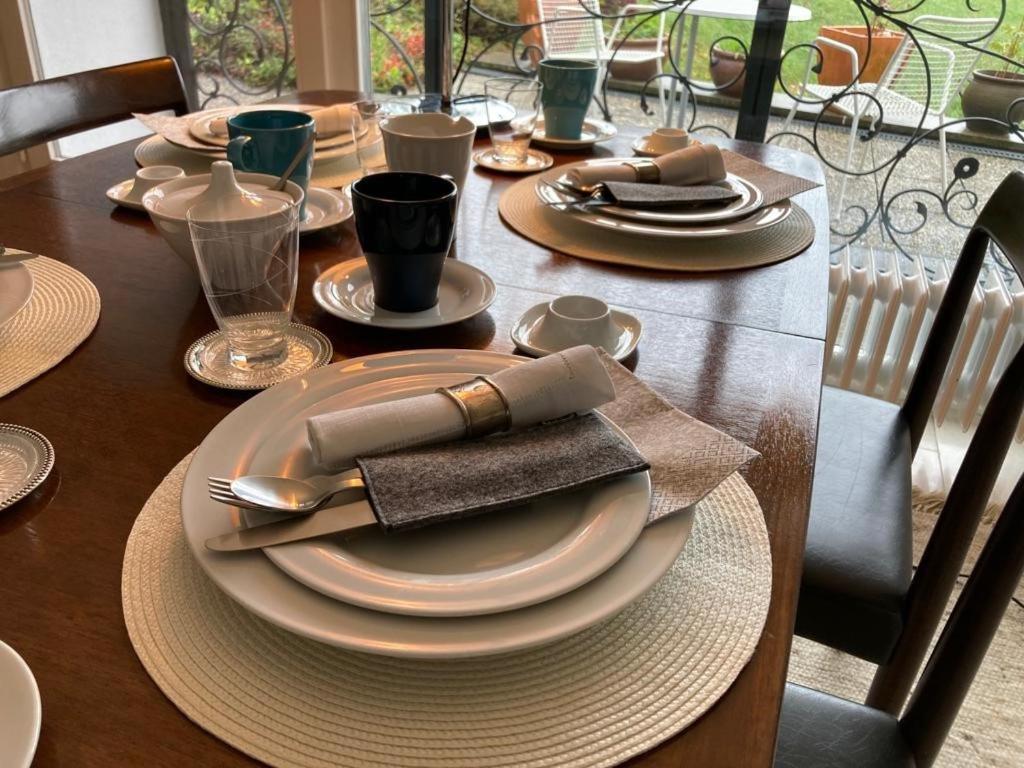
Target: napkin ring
x=483 y=406
x=647 y=171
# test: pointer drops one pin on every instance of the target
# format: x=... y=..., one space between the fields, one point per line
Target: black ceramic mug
x=405 y=223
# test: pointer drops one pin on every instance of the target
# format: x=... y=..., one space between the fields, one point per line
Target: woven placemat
x=594 y=699
x=522 y=211
x=156 y=150
x=62 y=312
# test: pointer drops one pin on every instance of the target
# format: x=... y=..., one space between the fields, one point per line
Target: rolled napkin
x=699 y=164
x=437 y=483
x=329 y=121
x=631 y=195
x=567 y=382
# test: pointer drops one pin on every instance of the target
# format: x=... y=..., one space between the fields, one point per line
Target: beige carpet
x=990 y=728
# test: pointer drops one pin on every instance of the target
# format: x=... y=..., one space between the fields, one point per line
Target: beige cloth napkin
x=548 y=388
x=688 y=458
x=699 y=164
x=330 y=121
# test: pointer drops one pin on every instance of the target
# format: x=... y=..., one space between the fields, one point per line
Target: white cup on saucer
x=573 y=320
x=147 y=178
x=663 y=140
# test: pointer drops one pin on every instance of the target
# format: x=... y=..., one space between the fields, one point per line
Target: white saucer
x=640 y=147
x=594 y=131
x=120 y=194
x=345 y=290
x=21 y=711
x=630 y=330
x=535 y=161
x=325 y=208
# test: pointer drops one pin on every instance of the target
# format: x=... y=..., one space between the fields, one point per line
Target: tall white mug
x=430 y=142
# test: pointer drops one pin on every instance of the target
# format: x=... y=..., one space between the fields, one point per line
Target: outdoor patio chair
x=51 y=109
x=573 y=29
x=859 y=593
x=921 y=79
x=817 y=729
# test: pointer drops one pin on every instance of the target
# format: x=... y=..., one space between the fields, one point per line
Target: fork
x=322 y=489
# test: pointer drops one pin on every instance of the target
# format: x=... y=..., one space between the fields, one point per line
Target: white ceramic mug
x=573 y=320
x=664 y=140
x=429 y=143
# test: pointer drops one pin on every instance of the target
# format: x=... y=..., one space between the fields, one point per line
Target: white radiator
x=880 y=314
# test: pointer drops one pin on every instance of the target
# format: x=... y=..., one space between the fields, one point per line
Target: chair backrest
x=632 y=15
x=942 y=43
x=568 y=30
x=967 y=635
x=49 y=109
x=1000 y=224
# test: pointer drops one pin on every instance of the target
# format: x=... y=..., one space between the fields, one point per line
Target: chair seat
x=857 y=564
x=893 y=103
x=817 y=730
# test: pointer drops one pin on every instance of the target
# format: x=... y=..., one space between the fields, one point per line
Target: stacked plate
x=742 y=214
x=191 y=143
x=485 y=585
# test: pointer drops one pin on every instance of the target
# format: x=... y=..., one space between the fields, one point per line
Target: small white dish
x=538 y=331
x=128 y=193
x=325 y=208
x=26 y=458
x=21 y=711
x=346 y=291
x=642 y=147
x=535 y=161
x=594 y=132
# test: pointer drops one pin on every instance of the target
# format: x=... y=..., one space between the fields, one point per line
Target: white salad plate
x=594 y=132
x=21 y=711
x=346 y=291
x=750 y=200
x=487 y=564
x=199 y=126
x=325 y=208
x=258 y=584
x=15 y=289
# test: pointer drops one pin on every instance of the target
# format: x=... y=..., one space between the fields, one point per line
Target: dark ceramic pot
x=990 y=94
x=728 y=72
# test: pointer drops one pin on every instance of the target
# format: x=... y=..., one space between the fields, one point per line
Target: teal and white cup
x=266 y=141
x=568 y=87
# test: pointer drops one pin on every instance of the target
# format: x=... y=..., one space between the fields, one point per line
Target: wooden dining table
x=742 y=351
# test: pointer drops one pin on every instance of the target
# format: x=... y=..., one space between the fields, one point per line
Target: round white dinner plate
x=749 y=201
x=324 y=208
x=346 y=291
x=491 y=563
x=15 y=289
x=21 y=712
x=628 y=330
x=199 y=125
x=256 y=583
x=594 y=132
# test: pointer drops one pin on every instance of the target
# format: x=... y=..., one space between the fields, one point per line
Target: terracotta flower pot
x=636 y=71
x=989 y=94
x=728 y=71
x=836 y=65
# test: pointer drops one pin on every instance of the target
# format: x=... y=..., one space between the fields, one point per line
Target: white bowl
x=173 y=226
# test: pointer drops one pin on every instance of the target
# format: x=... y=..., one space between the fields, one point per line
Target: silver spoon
x=290 y=495
x=280 y=184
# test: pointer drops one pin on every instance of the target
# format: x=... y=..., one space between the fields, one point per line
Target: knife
x=347 y=517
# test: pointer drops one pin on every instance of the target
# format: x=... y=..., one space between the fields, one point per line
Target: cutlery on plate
x=347 y=517
x=14 y=258
x=581 y=200
x=286 y=494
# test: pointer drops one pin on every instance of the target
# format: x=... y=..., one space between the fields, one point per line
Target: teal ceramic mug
x=568 y=87
x=266 y=142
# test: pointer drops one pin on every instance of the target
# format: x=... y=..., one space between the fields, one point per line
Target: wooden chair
x=817 y=730
x=50 y=109
x=857 y=593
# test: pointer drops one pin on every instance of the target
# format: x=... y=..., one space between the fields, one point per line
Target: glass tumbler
x=512 y=108
x=366 y=135
x=249 y=271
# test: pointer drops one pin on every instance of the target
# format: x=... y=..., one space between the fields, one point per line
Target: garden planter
x=728 y=72
x=636 y=71
x=836 y=65
x=989 y=94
